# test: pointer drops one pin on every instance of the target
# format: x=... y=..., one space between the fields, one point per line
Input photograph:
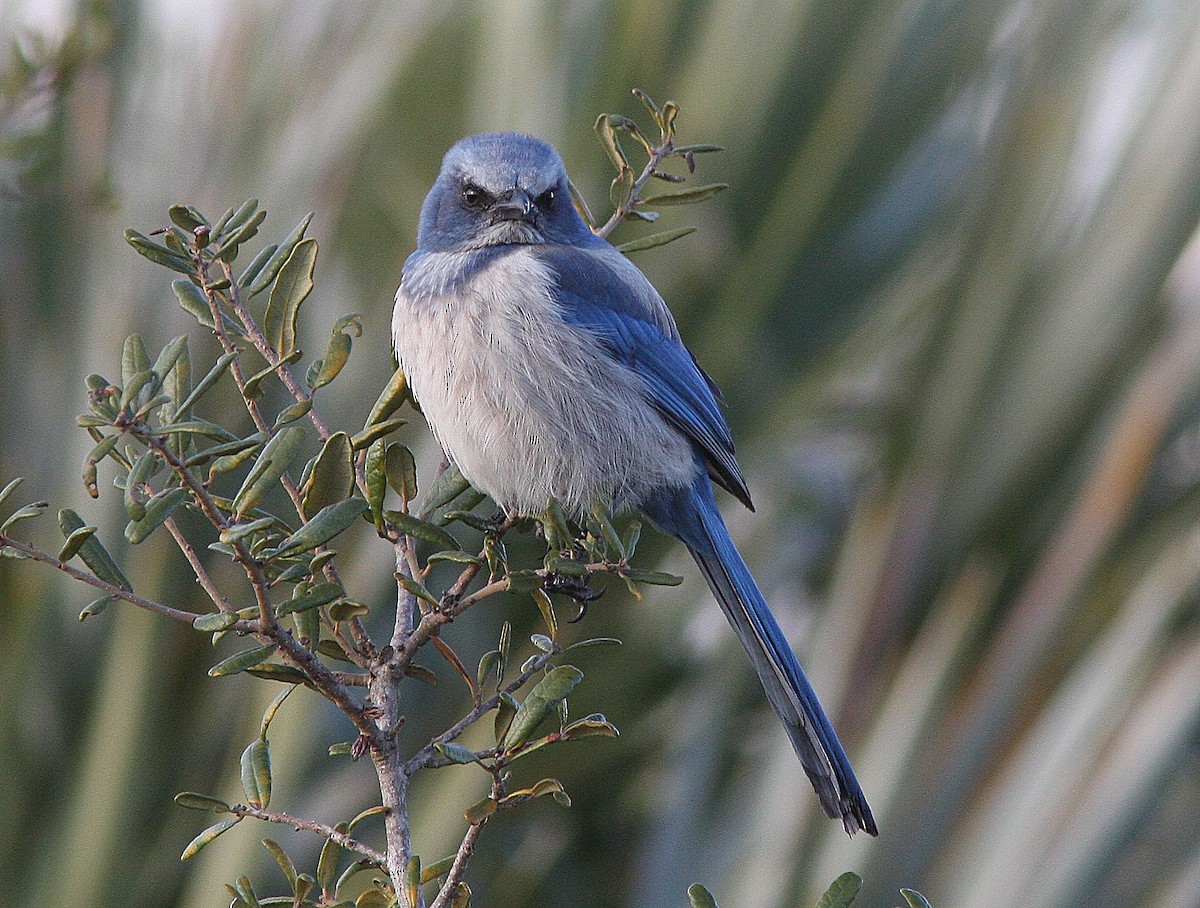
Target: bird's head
x=500 y=188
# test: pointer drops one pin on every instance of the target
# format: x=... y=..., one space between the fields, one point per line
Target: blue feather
x=691 y=515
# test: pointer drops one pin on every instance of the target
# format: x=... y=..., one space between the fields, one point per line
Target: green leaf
x=239 y=662
x=325 y=524
x=331 y=649
x=102 y=449
x=593 y=725
x=270 y=711
x=187 y=217
x=699 y=897
x=377 y=811
x=332 y=477
x=96 y=607
x=376 y=481
x=256 y=773
x=655 y=578
x=264 y=276
x=239 y=452
x=390 y=398
x=401 y=469
x=455 y=557
x=256 y=266
x=547 y=611
x=346 y=609
x=915 y=899
x=251 y=387
x=686 y=197
x=271 y=464
x=207 y=836
x=160 y=255
x=608 y=532
x=481 y=810
x=553 y=688
x=461 y=897
x=608 y=138
x=284 y=862
x=291 y=414
x=169 y=356
x=194 y=302
x=622 y=188
x=327 y=863
x=447 y=487
x=320 y=594
x=506 y=711
x=421 y=673
x=92 y=552
x=284 y=674
x=246 y=893
x=421 y=529
x=378 y=430
x=291 y=289
x=417 y=589
x=74 y=543
x=214 y=622
x=437 y=869
x=199 y=427
x=194 y=801
x=10 y=488
x=488 y=663
x=227 y=248
x=239 y=531
x=456 y=753
x=211 y=377
x=412 y=880
x=337 y=353
x=655 y=239
x=842 y=893
x=158 y=509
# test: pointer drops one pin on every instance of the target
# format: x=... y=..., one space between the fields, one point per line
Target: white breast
x=528 y=406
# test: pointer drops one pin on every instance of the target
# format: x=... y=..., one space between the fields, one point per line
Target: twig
x=454 y=877
x=115 y=591
x=658 y=154
x=189 y=552
x=328 y=832
x=426 y=756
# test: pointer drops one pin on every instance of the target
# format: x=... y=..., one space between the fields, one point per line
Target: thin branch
x=657 y=155
x=189 y=552
x=427 y=755
x=321 y=829
x=115 y=591
x=465 y=849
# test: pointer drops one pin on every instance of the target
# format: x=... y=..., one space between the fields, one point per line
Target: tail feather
x=693 y=518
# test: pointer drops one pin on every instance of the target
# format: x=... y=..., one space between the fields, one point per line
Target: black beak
x=513 y=207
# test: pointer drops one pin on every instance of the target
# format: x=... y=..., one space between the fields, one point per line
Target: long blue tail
x=691 y=515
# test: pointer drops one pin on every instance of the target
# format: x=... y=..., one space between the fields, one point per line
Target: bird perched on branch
x=548 y=366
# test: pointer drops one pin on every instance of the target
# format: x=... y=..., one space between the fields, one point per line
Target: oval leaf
x=207 y=836
x=332 y=477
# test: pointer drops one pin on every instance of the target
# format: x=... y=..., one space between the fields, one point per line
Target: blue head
x=498 y=189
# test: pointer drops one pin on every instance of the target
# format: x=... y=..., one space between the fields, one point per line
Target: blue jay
x=548 y=366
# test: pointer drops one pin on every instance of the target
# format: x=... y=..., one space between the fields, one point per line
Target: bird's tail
x=795 y=702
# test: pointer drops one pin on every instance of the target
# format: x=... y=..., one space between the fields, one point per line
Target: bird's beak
x=514 y=207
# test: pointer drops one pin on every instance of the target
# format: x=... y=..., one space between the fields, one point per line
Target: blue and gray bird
x=548 y=366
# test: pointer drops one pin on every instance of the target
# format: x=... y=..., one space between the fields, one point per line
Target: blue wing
x=601 y=291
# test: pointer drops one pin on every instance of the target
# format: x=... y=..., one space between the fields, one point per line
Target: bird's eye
x=474 y=196
x=546 y=199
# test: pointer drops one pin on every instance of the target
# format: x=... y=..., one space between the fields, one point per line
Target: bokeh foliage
x=950 y=297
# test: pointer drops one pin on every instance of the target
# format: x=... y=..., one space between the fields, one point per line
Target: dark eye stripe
x=546 y=199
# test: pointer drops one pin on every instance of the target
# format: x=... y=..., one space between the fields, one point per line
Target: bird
x=548 y=366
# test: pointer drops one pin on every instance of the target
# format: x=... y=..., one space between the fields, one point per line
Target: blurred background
x=953 y=297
